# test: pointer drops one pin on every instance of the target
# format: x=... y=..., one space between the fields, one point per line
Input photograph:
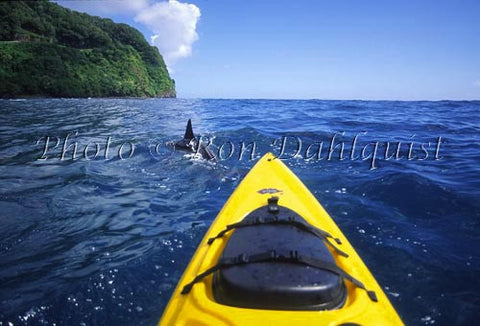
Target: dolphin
x=191 y=144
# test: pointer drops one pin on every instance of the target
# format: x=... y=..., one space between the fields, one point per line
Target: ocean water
x=98 y=224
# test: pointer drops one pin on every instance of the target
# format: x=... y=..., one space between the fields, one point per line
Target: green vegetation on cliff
x=48 y=50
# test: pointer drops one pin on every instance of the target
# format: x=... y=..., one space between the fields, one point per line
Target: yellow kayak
x=273 y=256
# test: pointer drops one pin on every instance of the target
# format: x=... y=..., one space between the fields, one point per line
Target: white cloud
x=174 y=27
x=172 y=23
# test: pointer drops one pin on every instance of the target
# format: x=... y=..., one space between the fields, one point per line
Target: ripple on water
x=105 y=241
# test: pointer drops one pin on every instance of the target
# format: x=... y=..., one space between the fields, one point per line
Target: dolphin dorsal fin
x=189 y=131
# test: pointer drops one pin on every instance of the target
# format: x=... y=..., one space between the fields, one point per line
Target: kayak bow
x=273 y=256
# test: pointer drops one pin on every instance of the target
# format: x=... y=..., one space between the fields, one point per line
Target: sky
x=306 y=49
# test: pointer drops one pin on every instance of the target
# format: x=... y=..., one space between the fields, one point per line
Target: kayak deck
x=269 y=273
x=278 y=289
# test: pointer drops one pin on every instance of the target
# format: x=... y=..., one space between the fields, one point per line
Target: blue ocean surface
x=98 y=224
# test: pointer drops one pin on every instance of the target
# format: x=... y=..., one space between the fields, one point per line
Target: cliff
x=50 y=51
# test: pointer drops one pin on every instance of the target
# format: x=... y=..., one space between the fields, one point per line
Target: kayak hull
x=270 y=177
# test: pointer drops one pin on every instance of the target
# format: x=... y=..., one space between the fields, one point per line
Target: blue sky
x=395 y=50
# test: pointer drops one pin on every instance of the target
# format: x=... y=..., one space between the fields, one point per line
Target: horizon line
x=326 y=99
x=238 y=98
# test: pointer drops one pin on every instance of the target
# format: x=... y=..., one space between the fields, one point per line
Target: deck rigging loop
x=272 y=256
